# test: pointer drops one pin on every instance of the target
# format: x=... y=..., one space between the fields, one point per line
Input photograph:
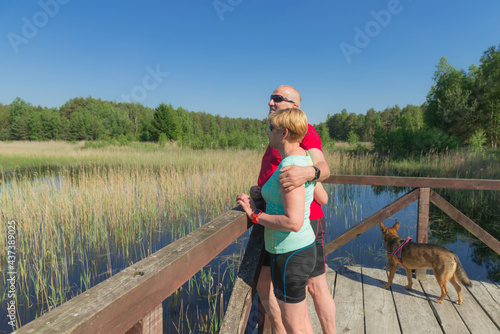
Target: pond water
x=350 y=204
x=197 y=305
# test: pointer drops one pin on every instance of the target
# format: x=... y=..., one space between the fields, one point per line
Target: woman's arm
x=294 y=207
x=320 y=194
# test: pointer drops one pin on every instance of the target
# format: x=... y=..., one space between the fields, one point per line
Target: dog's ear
x=396 y=226
x=382 y=227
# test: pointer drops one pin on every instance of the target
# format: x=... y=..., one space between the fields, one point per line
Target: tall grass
x=84 y=212
x=106 y=208
x=449 y=164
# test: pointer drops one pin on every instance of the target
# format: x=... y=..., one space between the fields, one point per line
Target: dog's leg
x=442 y=284
x=457 y=287
x=409 y=277
x=392 y=272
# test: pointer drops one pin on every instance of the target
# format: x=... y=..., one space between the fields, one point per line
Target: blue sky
x=226 y=56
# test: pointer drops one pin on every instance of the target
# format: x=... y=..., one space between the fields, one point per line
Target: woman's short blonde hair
x=292 y=119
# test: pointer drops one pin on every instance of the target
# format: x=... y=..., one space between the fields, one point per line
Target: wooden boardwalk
x=364 y=307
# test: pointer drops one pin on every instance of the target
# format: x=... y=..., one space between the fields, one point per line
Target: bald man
x=291 y=177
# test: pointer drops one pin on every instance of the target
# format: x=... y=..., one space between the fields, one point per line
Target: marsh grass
x=448 y=164
x=84 y=212
x=95 y=211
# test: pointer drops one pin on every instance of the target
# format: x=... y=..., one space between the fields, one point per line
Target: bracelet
x=256 y=214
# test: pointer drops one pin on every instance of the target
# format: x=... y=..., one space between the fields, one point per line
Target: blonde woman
x=289 y=237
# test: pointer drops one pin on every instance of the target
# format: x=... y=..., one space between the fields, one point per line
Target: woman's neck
x=289 y=149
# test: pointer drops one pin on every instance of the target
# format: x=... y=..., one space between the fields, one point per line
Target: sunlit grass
x=450 y=164
x=73 y=218
x=79 y=207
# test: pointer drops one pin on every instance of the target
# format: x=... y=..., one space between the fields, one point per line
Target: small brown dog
x=445 y=264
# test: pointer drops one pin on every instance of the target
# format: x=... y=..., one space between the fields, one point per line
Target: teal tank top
x=278 y=242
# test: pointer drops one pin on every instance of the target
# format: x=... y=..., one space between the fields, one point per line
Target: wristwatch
x=317 y=172
x=256 y=214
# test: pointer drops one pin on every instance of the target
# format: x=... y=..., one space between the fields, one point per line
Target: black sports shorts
x=290 y=271
x=318 y=226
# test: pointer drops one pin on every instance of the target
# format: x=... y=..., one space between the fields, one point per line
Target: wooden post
x=423 y=224
x=152 y=323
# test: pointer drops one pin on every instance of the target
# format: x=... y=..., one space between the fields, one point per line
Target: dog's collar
x=397 y=252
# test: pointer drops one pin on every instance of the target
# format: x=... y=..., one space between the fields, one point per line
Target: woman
x=289 y=237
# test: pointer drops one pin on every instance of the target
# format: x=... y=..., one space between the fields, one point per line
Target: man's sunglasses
x=280 y=98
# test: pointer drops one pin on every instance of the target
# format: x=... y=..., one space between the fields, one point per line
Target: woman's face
x=275 y=136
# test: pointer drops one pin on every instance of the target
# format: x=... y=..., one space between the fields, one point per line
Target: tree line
x=97 y=120
x=462 y=108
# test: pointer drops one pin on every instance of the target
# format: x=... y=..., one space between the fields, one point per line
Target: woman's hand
x=246 y=203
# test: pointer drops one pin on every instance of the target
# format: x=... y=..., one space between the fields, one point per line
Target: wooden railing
x=131 y=301
x=239 y=305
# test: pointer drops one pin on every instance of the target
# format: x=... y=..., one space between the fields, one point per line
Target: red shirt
x=272 y=159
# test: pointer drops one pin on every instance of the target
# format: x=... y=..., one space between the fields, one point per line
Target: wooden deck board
x=349 y=301
x=413 y=307
x=378 y=303
x=364 y=307
x=474 y=316
x=446 y=312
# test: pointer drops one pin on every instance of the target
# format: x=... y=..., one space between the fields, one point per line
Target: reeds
x=80 y=223
x=449 y=164
x=83 y=214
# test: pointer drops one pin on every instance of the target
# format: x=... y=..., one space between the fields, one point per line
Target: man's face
x=286 y=93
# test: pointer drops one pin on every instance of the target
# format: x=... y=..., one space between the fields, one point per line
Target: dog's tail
x=460 y=273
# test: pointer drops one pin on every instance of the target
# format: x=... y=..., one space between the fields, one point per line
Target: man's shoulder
x=311 y=128
x=311 y=139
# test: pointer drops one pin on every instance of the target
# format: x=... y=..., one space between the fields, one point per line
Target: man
x=291 y=177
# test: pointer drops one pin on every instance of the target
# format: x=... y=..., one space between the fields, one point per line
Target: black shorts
x=290 y=271
x=319 y=231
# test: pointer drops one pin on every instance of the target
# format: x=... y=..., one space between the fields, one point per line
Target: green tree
x=410 y=118
x=5 y=121
x=451 y=105
x=165 y=121
x=352 y=137
x=20 y=128
x=35 y=126
x=488 y=94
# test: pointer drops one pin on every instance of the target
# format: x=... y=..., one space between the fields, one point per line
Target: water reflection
x=349 y=204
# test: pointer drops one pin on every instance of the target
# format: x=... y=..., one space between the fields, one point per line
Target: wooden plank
x=413 y=308
x=372 y=220
x=446 y=313
x=423 y=215
x=349 y=301
x=118 y=303
x=423 y=224
x=493 y=289
x=348 y=292
x=490 y=303
x=153 y=322
x=414 y=182
x=240 y=303
x=465 y=221
x=150 y=324
x=380 y=312
x=473 y=315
